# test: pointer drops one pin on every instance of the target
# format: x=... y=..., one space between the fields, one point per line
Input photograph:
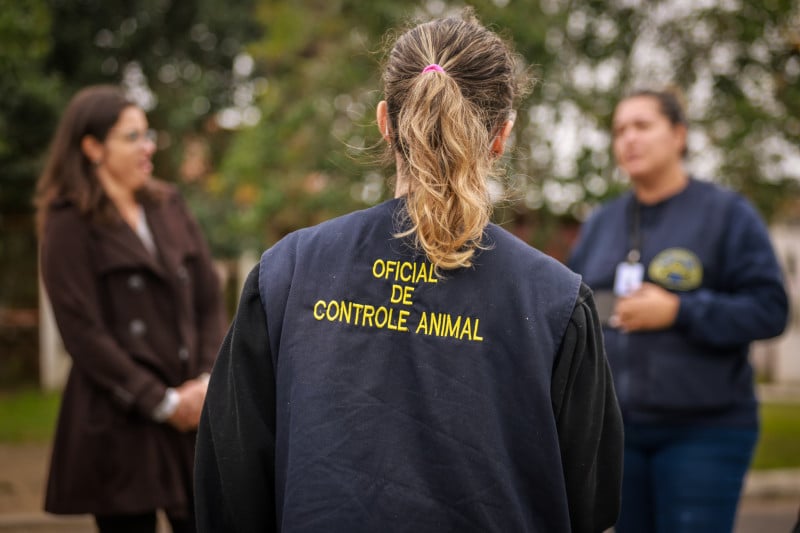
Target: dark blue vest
x=410 y=400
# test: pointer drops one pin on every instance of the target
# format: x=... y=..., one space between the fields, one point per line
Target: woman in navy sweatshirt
x=689 y=279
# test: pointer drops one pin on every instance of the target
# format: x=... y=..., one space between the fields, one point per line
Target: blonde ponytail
x=447 y=152
x=443 y=122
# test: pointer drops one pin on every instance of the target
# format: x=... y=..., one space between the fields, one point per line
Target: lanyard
x=634 y=232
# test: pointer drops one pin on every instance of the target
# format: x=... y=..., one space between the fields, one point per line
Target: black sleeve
x=588 y=420
x=234 y=463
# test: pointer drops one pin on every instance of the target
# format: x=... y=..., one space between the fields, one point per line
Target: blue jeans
x=680 y=479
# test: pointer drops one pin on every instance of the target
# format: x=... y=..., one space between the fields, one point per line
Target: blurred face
x=126 y=163
x=646 y=144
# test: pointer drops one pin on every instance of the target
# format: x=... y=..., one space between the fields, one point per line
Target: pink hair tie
x=433 y=66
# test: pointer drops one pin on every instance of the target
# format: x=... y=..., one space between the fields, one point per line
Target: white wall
x=783 y=359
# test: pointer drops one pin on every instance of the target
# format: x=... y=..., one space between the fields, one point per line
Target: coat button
x=183 y=353
x=137 y=327
x=136 y=282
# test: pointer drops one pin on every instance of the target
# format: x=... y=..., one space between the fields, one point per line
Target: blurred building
x=778 y=360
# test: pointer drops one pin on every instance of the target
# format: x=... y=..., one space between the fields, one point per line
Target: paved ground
x=771 y=516
x=770 y=505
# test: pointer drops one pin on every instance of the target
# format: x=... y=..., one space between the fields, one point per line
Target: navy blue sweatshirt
x=708 y=245
x=356 y=391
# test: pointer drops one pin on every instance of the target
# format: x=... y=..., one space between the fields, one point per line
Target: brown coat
x=133 y=324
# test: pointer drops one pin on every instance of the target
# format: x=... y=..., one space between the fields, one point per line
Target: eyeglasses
x=136 y=136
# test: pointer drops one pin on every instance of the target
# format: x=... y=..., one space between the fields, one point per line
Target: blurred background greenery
x=265 y=108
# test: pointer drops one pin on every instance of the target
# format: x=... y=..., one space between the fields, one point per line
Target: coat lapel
x=169 y=248
x=123 y=248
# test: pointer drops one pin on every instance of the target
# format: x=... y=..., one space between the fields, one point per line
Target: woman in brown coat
x=140 y=312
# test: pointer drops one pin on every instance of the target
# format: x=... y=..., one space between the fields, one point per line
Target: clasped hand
x=192 y=394
x=649 y=308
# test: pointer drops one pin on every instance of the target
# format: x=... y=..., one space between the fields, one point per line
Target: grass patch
x=28 y=415
x=780 y=436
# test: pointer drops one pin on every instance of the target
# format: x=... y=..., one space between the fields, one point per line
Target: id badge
x=629 y=278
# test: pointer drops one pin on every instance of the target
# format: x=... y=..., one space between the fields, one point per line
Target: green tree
x=27 y=99
x=295 y=141
x=27 y=110
x=303 y=163
x=309 y=158
x=737 y=62
x=176 y=58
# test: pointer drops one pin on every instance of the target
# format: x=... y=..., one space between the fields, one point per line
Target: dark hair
x=442 y=125
x=68 y=174
x=670 y=104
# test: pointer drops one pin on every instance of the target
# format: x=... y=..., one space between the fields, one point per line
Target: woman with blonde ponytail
x=413 y=366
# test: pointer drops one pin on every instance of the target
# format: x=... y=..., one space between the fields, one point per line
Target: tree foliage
x=738 y=63
x=283 y=135
x=311 y=157
x=175 y=57
x=27 y=98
